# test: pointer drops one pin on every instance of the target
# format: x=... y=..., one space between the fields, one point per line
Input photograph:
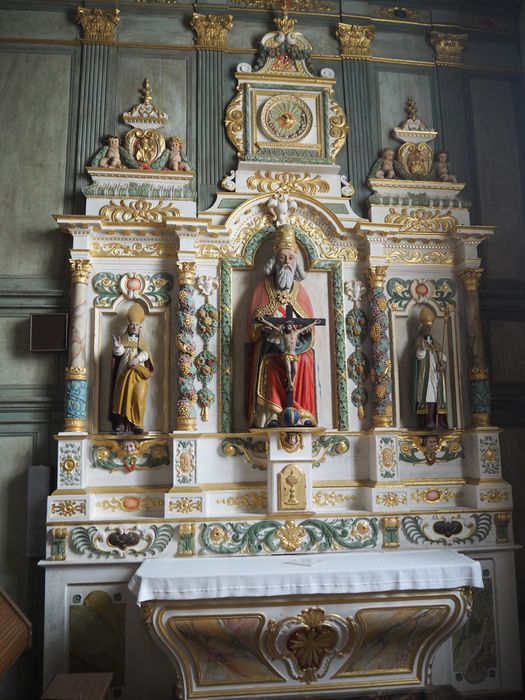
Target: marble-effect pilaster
x=75 y=404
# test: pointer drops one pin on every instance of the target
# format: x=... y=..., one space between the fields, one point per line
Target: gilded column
x=75 y=402
x=211 y=32
x=355 y=41
x=381 y=371
x=186 y=348
x=454 y=133
x=98 y=35
x=478 y=373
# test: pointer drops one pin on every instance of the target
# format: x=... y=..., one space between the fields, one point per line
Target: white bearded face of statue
x=285 y=266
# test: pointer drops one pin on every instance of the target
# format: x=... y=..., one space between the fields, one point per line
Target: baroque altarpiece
x=277 y=375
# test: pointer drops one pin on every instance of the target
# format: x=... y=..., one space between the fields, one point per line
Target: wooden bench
x=15 y=632
x=79 y=686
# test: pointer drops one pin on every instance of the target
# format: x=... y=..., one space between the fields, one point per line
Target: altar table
x=281 y=626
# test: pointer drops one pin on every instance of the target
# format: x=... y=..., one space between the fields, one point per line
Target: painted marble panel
x=475 y=647
x=32 y=183
x=499 y=174
x=97 y=635
x=393 y=637
x=225 y=649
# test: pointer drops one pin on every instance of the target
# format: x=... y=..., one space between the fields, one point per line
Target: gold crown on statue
x=136 y=313
x=285 y=238
x=427 y=316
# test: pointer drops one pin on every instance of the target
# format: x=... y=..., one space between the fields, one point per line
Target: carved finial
x=145 y=115
x=285 y=24
x=146 y=92
x=411 y=108
x=412 y=122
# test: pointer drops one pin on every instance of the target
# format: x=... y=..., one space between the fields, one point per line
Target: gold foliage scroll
x=422 y=220
x=234 y=122
x=287 y=182
x=138 y=211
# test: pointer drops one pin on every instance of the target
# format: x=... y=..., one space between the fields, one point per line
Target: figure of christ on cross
x=288 y=329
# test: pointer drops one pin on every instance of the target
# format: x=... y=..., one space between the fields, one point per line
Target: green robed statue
x=429 y=396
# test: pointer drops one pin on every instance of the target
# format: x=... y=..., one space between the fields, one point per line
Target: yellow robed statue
x=132 y=368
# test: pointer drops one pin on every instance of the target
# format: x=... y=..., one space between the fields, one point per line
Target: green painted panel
x=169 y=79
x=34 y=111
x=155 y=29
x=21 y=24
x=499 y=171
x=394 y=87
x=19 y=366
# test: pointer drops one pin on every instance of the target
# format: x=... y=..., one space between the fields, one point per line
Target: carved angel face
x=129 y=446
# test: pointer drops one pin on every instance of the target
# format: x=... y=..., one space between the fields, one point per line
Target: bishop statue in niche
x=281 y=383
x=132 y=367
x=429 y=394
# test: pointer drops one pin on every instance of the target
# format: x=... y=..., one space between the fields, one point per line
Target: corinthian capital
x=98 y=25
x=80 y=270
x=355 y=39
x=471 y=277
x=376 y=275
x=211 y=31
x=448 y=48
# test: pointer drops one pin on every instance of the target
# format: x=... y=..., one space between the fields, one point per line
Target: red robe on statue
x=266 y=395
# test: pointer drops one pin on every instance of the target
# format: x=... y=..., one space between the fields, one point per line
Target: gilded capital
x=59 y=533
x=392 y=521
x=448 y=48
x=481 y=420
x=75 y=425
x=355 y=39
x=502 y=518
x=98 y=25
x=478 y=373
x=211 y=31
x=187 y=272
x=382 y=421
x=76 y=373
x=186 y=422
x=376 y=275
x=80 y=270
x=471 y=277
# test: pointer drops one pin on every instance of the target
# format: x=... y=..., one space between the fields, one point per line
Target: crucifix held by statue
x=281 y=326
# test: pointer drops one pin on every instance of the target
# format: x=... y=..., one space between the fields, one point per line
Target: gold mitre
x=285 y=238
x=136 y=313
x=427 y=316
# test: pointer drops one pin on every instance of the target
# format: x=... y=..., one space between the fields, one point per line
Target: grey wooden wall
x=61 y=96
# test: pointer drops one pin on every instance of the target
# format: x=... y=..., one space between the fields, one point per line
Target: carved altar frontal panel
x=337 y=643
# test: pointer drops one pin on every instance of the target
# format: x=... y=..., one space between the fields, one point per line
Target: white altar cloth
x=349 y=572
